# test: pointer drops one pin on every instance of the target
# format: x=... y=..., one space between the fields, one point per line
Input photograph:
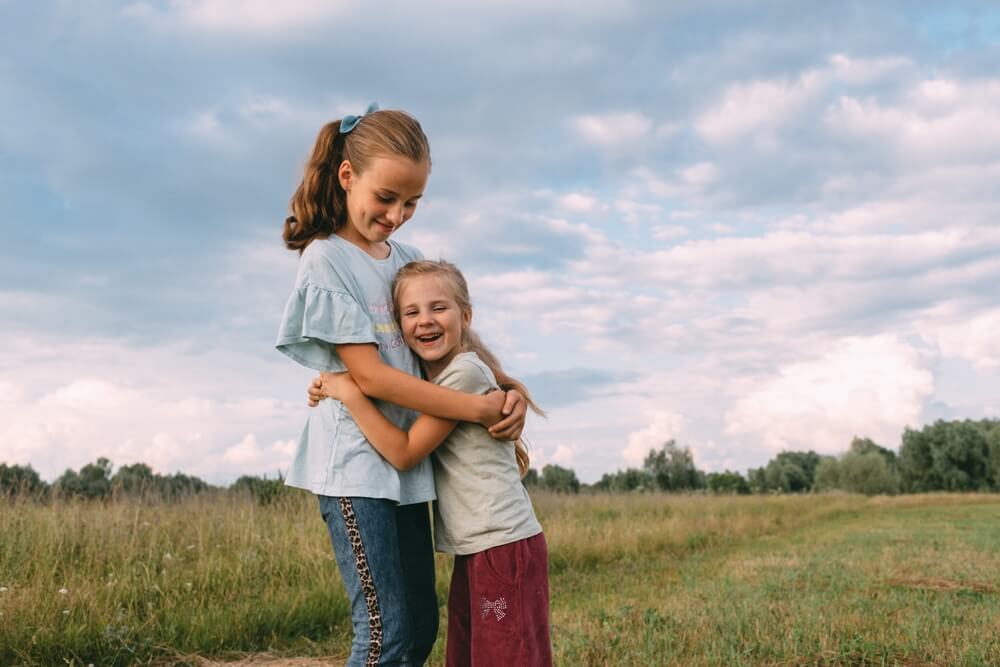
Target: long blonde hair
x=470 y=342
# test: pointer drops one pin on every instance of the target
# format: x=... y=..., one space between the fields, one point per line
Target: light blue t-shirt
x=342 y=295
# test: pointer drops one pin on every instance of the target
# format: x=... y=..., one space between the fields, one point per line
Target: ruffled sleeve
x=315 y=319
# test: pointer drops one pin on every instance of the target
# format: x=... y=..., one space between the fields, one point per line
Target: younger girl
x=499 y=601
x=361 y=184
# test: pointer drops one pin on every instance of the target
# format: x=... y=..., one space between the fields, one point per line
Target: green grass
x=636 y=580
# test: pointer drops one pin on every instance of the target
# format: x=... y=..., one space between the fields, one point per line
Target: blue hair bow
x=348 y=123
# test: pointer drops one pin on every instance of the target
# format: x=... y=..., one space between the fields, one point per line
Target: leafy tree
x=788 y=472
x=93 y=480
x=757 y=480
x=727 y=482
x=867 y=473
x=992 y=431
x=630 y=479
x=827 y=475
x=16 y=480
x=559 y=479
x=96 y=481
x=867 y=446
x=265 y=491
x=672 y=468
x=946 y=456
x=178 y=485
x=134 y=479
x=531 y=478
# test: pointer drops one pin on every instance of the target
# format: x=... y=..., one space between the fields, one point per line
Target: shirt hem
x=474 y=549
x=423 y=496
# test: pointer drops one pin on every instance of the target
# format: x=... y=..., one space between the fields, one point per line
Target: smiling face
x=431 y=320
x=380 y=199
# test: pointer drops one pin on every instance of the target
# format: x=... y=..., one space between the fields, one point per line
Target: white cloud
x=964 y=333
x=613 y=130
x=757 y=105
x=579 y=202
x=563 y=455
x=154 y=405
x=866 y=70
x=941 y=120
x=668 y=232
x=92 y=396
x=871 y=387
x=260 y=17
x=635 y=212
x=247 y=454
x=663 y=425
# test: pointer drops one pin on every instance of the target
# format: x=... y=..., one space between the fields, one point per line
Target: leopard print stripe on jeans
x=367 y=584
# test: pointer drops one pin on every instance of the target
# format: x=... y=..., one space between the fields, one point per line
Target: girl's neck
x=435 y=368
x=378 y=250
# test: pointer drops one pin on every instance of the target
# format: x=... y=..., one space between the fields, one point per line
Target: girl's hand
x=340 y=386
x=510 y=427
x=316 y=391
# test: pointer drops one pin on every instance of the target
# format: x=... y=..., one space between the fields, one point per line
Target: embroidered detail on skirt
x=498 y=606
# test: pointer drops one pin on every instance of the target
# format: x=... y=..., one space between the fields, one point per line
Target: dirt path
x=266 y=660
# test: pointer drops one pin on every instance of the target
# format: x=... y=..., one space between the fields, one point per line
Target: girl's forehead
x=426 y=287
x=398 y=173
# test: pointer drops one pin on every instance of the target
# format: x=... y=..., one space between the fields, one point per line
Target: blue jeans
x=386 y=560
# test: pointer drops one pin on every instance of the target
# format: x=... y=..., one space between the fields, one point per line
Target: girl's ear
x=345 y=175
x=466 y=318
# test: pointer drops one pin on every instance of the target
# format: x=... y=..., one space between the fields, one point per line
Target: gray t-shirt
x=342 y=295
x=481 y=501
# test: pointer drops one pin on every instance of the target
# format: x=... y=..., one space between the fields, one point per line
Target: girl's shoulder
x=467 y=373
x=405 y=251
x=318 y=264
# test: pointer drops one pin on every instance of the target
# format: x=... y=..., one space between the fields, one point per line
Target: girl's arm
x=403 y=449
x=379 y=380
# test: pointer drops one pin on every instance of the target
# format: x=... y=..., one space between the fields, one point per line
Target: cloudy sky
x=746 y=226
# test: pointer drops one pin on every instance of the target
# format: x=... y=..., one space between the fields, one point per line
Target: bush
x=869 y=474
x=265 y=491
x=18 y=480
x=559 y=479
x=727 y=482
x=948 y=456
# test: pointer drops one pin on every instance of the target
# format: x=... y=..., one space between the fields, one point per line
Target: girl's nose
x=395 y=215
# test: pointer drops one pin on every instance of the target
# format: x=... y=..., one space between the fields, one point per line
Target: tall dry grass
x=131 y=582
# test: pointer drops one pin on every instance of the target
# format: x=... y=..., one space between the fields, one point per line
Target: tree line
x=944 y=456
x=96 y=481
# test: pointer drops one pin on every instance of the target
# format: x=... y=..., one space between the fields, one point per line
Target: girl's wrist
x=488 y=410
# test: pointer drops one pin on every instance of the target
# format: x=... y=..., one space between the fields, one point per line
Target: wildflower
x=3 y=589
x=187 y=585
x=190 y=547
x=167 y=556
x=65 y=612
x=63 y=591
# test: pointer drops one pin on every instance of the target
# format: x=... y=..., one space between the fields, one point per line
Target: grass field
x=636 y=580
